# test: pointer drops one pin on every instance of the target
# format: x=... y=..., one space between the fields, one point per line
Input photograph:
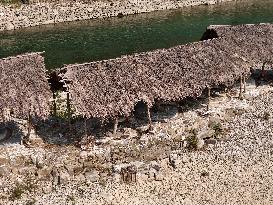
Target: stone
x=80 y=178
x=129 y=133
x=47 y=188
x=206 y=134
x=9 y=26
x=211 y=141
x=213 y=121
x=64 y=177
x=38 y=160
x=4 y=171
x=3 y=161
x=92 y=176
x=155 y=165
x=44 y=173
x=200 y=143
x=159 y=176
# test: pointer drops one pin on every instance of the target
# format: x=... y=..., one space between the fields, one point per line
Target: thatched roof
x=254 y=41
x=110 y=88
x=24 y=87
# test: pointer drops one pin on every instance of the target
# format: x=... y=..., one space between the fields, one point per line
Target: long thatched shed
x=24 y=88
x=110 y=88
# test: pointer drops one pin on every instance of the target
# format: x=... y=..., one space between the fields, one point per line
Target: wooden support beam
x=26 y=138
x=149 y=117
x=241 y=87
x=115 y=126
x=85 y=126
x=54 y=105
x=209 y=94
x=244 y=81
x=68 y=107
x=3 y=117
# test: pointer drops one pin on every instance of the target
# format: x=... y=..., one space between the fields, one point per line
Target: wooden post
x=25 y=139
x=85 y=126
x=68 y=110
x=115 y=126
x=208 y=105
x=241 y=83
x=54 y=105
x=149 y=117
x=3 y=117
x=244 y=81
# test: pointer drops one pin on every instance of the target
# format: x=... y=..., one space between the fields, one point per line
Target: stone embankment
x=15 y=17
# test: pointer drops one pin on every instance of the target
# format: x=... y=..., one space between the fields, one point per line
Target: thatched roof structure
x=24 y=87
x=111 y=88
x=252 y=41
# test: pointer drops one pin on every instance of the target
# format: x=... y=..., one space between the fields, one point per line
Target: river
x=85 y=41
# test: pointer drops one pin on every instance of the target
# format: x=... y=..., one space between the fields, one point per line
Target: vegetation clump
x=192 y=140
x=29 y=185
x=218 y=130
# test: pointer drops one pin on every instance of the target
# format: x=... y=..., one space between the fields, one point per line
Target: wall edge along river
x=15 y=17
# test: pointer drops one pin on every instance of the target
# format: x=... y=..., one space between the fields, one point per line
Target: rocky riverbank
x=20 y=16
x=223 y=156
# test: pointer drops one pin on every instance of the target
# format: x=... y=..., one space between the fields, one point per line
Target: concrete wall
x=12 y=17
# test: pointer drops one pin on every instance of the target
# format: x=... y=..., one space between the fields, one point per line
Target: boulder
x=159 y=176
x=206 y=134
x=211 y=141
x=4 y=171
x=44 y=173
x=213 y=121
x=38 y=160
x=92 y=176
x=200 y=143
x=64 y=177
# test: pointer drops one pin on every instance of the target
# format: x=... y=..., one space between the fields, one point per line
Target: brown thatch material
x=252 y=41
x=112 y=88
x=24 y=88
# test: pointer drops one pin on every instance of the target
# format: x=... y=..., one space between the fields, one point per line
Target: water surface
x=91 y=40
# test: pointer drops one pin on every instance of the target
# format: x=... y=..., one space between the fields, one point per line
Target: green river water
x=85 y=41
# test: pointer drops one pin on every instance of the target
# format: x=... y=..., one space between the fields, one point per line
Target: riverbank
x=19 y=16
x=229 y=165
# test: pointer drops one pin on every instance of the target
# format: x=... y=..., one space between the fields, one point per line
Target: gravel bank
x=15 y=17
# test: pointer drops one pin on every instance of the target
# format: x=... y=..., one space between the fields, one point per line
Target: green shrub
x=17 y=192
x=218 y=129
x=28 y=185
x=192 y=140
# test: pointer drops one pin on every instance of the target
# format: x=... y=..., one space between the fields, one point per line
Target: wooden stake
x=26 y=138
x=244 y=80
x=115 y=126
x=149 y=117
x=85 y=126
x=3 y=117
x=54 y=105
x=68 y=110
x=241 y=85
x=208 y=105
